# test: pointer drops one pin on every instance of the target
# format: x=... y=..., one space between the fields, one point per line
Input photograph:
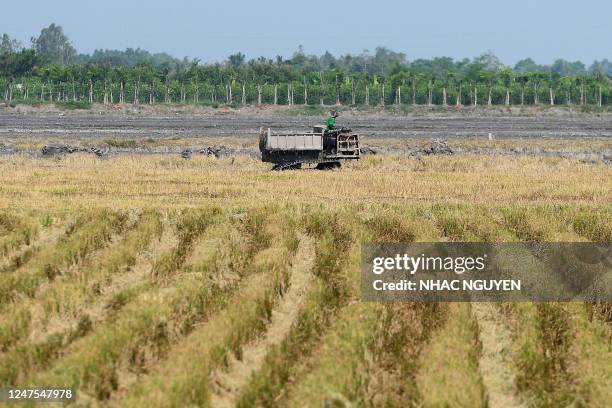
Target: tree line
x=52 y=71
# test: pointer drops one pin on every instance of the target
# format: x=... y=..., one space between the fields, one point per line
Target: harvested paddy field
x=153 y=280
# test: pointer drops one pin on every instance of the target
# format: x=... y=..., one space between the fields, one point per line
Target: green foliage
x=73 y=105
x=53 y=72
x=54 y=45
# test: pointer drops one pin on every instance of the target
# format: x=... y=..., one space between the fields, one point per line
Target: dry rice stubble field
x=149 y=279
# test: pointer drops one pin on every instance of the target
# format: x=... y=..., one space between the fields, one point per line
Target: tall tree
x=53 y=44
x=9 y=45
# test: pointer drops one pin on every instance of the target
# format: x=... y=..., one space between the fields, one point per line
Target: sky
x=541 y=29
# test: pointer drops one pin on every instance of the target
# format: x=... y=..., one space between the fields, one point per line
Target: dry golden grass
x=212 y=284
x=154 y=181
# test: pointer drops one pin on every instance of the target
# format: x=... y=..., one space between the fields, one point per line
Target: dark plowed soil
x=90 y=124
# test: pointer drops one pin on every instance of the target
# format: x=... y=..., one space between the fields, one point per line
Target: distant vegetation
x=52 y=71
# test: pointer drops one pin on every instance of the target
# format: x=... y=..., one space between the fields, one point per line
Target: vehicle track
x=495 y=368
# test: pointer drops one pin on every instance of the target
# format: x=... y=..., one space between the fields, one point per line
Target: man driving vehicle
x=331 y=120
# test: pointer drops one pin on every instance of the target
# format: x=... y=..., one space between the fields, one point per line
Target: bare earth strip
x=495 y=368
x=229 y=383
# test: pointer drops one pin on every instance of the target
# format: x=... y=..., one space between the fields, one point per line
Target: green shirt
x=331 y=123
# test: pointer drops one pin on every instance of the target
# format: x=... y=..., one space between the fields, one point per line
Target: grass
x=165 y=271
x=246 y=316
x=329 y=292
x=131 y=181
x=448 y=373
x=91 y=232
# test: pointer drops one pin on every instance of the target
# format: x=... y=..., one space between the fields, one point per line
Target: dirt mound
x=438 y=146
x=367 y=150
x=186 y=153
x=218 y=151
x=4 y=149
x=61 y=150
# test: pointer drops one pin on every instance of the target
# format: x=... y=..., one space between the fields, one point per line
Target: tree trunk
x=458 y=102
x=413 y=93
x=321 y=96
x=275 y=94
x=259 y=94
x=399 y=95
x=337 y=92
x=429 y=94
x=582 y=98
x=288 y=94
x=490 y=99
x=105 y=99
x=367 y=95
x=243 y=101
x=600 y=97
x=90 y=91
x=382 y=96
x=552 y=96
x=152 y=93
x=475 y=96
x=42 y=92
x=522 y=96
x=507 y=96
x=535 y=94
x=305 y=92
x=444 y=95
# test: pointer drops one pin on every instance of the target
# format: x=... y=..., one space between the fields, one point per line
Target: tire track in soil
x=495 y=366
x=228 y=383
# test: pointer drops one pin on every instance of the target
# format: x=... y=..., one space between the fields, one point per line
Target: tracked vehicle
x=321 y=148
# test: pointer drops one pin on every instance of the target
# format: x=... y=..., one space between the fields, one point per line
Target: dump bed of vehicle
x=294 y=141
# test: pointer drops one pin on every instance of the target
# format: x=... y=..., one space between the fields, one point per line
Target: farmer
x=331 y=120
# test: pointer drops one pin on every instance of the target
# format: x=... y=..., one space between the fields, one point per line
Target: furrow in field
x=448 y=373
x=469 y=223
x=47 y=235
x=17 y=232
x=334 y=238
x=387 y=370
x=591 y=356
x=183 y=376
x=229 y=382
x=15 y=323
x=45 y=330
x=144 y=329
x=495 y=362
x=542 y=333
x=591 y=223
x=90 y=233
